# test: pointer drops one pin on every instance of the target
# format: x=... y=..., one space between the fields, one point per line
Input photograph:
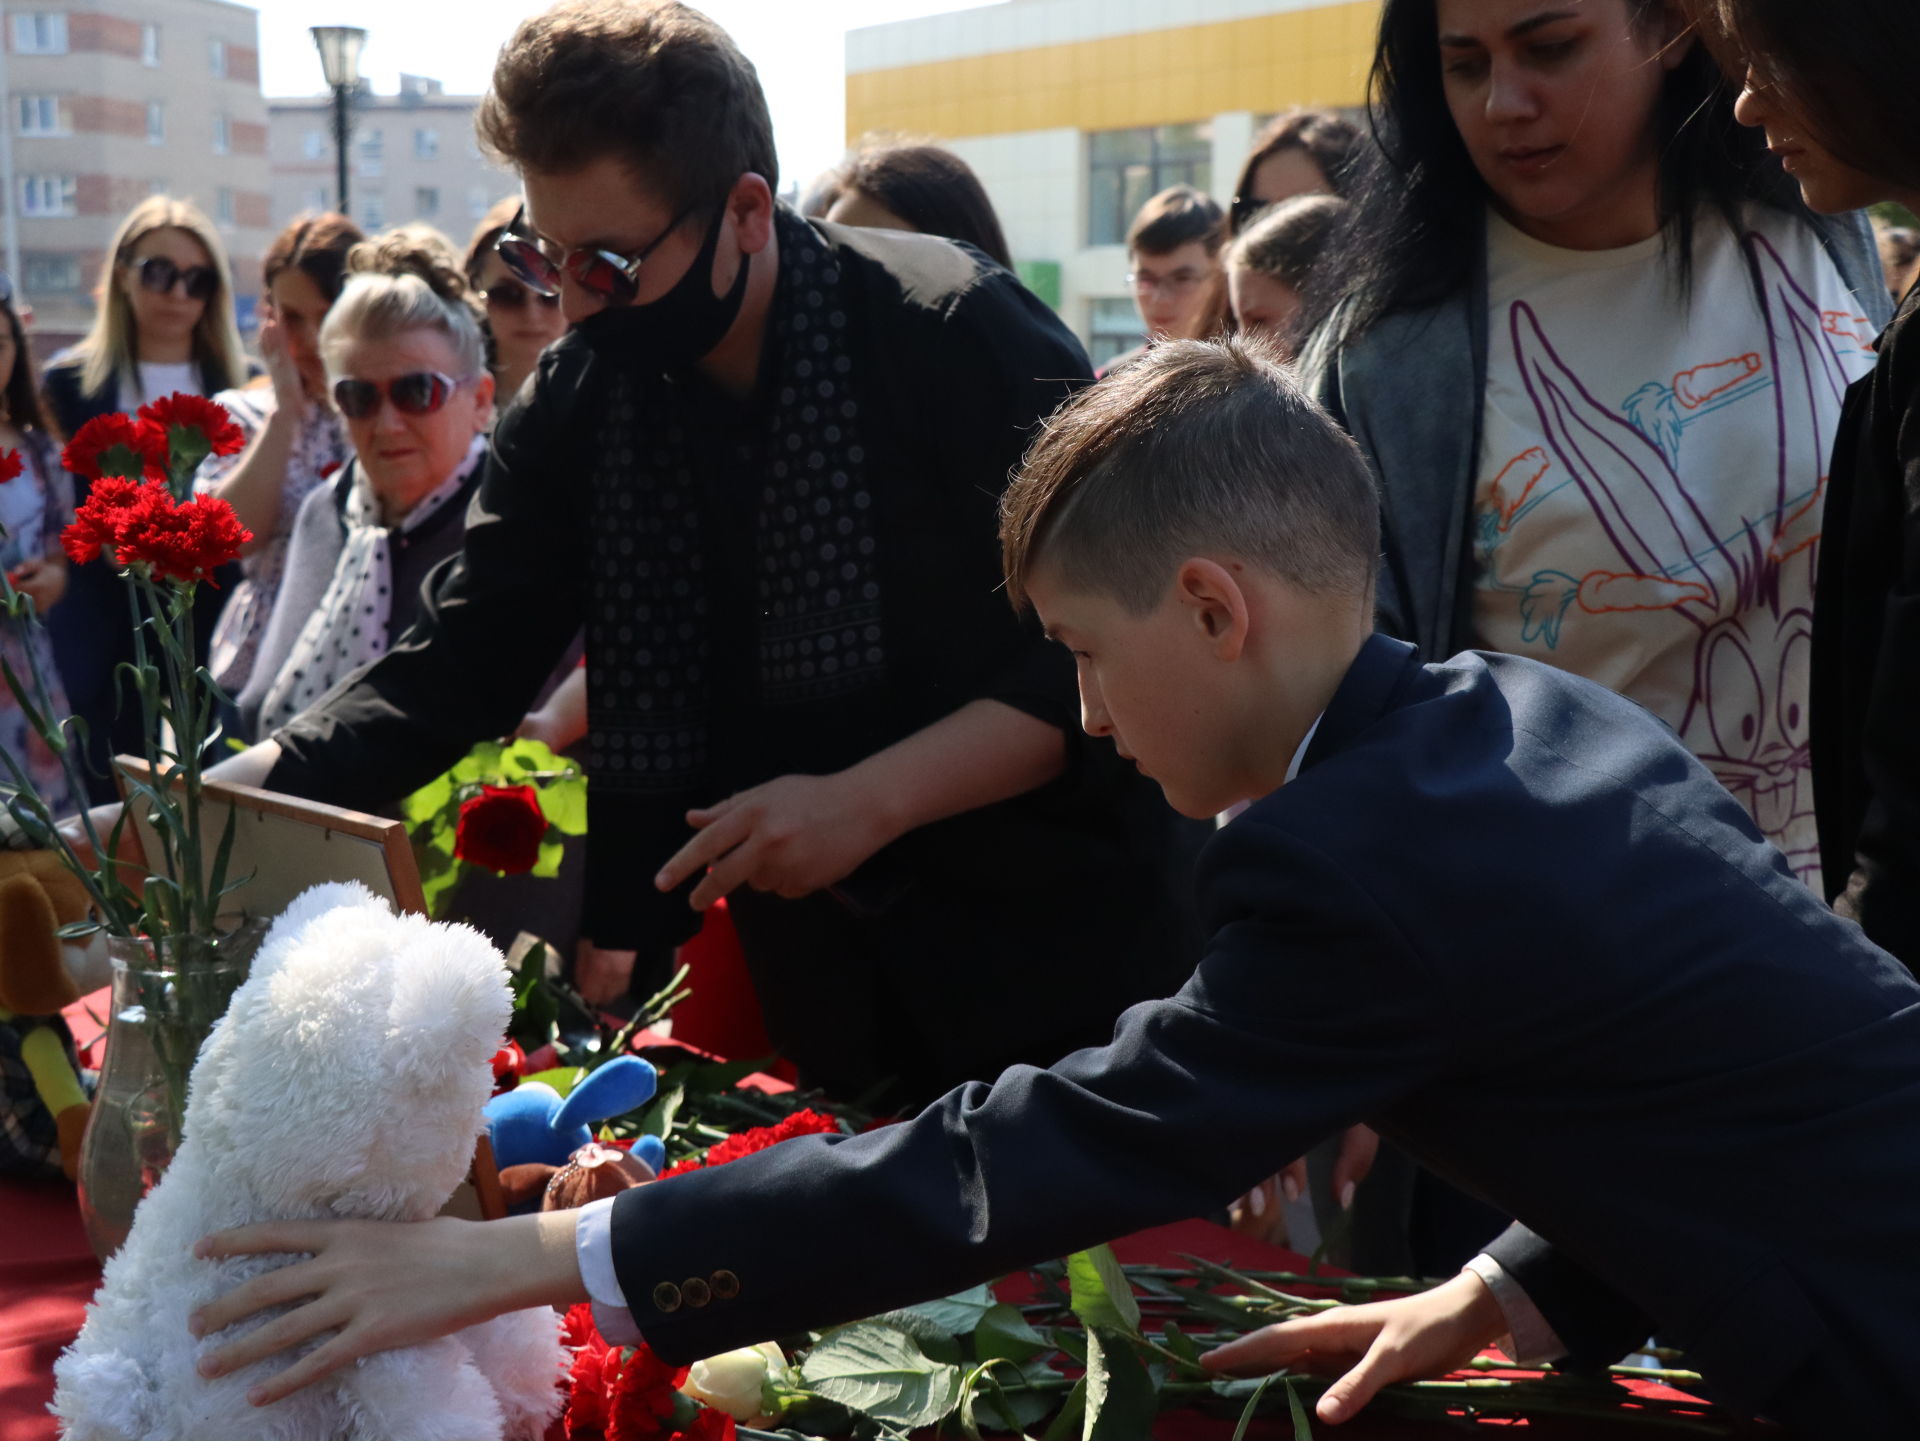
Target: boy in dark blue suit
x=1479 y=888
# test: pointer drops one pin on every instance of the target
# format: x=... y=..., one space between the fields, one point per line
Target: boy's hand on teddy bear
x=379 y=1285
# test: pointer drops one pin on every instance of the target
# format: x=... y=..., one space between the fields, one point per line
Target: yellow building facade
x=1067 y=108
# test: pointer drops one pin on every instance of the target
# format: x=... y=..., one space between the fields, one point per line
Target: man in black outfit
x=762 y=470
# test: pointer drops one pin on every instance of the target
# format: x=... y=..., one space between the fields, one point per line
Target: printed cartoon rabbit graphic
x=1744 y=588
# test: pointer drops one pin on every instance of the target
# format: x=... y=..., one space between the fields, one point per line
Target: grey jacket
x=1400 y=390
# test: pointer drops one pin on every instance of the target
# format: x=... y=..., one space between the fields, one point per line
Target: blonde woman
x=163 y=323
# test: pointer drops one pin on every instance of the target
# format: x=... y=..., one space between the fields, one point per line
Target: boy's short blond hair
x=1201 y=447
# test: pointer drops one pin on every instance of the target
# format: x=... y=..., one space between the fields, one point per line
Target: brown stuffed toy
x=43 y=1106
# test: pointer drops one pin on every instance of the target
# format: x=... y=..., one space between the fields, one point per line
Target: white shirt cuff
x=1530 y=1341
x=593 y=1248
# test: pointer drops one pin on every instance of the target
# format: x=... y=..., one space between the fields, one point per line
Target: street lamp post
x=340 y=47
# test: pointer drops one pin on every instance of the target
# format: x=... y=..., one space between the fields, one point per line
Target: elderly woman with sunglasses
x=406 y=366
x=521 y=321
x=165 y=323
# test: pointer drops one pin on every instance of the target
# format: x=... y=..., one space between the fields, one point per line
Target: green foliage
x=882 y=1373
x=1102 y=1295
x=1121 y=1398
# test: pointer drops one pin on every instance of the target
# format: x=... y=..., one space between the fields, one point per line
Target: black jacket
x=1866 y=650
x=962 y=363
x=1505 y=917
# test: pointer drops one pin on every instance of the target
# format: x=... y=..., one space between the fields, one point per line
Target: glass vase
x=161 y=1013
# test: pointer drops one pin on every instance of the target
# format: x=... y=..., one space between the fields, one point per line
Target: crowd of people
x=1576 y=361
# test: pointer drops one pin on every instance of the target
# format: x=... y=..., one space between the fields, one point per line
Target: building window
x=426 y=144
x=51 y=274
x=426 y=201
x=373 y=152
x=149 y=44
x=1113 y=328
x=1127 y=168
x=47 y=195
x=44 y=115
x=217 y=57
x=373 y=211
x=222 y=133
x=156 y=122
x=223 y=205
x=40 y=32
x=313 y=145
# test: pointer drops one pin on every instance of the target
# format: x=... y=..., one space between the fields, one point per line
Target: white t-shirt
x=169 y=378
x=1647 y=512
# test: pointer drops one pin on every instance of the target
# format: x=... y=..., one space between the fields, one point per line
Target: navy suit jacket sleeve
x=1594 y=1322
x=1309 y=1012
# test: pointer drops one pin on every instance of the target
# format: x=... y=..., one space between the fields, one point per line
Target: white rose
x=734 y=1382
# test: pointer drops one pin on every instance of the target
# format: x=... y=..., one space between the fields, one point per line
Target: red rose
x=708 y=1425
x=117 y=445
x=184 y=543
x=107 y=508
x=10 y=465
x=501 y=829
x=177 y=413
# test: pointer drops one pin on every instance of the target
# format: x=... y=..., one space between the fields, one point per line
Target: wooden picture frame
x=283 y=845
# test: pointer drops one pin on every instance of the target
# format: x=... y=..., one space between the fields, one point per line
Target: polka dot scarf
x=349 y=627
x=819 y=633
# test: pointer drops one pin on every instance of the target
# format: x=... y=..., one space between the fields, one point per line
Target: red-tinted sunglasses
x=606 y=274
x=420 y=393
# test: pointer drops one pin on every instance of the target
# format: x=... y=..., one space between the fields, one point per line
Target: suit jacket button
x=725 y=1285
x=695 y=1291
x=666 y=1297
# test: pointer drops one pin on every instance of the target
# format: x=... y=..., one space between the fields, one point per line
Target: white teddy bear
x=346 y=1079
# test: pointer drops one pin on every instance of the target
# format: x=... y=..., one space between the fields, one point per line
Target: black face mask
x=679 y=328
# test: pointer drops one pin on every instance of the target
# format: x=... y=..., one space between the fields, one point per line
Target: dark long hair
x=1415 y=233
x=22 y=393
x=932 y=189
x=1847 y=68
x=316 y=246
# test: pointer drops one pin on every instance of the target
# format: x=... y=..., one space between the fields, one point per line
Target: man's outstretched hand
x=1412 y=1339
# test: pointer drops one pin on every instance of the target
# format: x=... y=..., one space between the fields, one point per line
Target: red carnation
x=644 y=1397
x=218 y=435
x=501 y=829
x=10 y=465
x=800 y=1123
x=184 y=543
x=107 y=508
x=117 y=445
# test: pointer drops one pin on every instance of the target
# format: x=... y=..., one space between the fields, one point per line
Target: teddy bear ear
x=33 y=976
x=306 y=908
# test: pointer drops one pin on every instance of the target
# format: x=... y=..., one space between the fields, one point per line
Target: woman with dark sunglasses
x=165 y=324
x=406 y=372
x=520 y=321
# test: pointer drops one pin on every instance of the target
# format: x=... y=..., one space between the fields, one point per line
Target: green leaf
x=1302 y=1430
x=881 y=1372
x=1252 y=1406
x=1121 y=1400
x=1072 y=1414
x=992 y=1404
x=551 y=854
x=1004 y=1334
x=564 y=804
x=957 y=1315
x=427 y=802
x=1102 y=1295
x=1180 y=1343
x=482 y=763
x=562 y=1078
x=657 y=1119
x=935 y=1340
x=713 y=1077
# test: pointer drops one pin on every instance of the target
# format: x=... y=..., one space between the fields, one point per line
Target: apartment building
x=109 y=101
x=414 y=157
x=1074 y=112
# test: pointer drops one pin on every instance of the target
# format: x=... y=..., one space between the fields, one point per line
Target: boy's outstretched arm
x=381 y=1285
x=1410 y=1339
